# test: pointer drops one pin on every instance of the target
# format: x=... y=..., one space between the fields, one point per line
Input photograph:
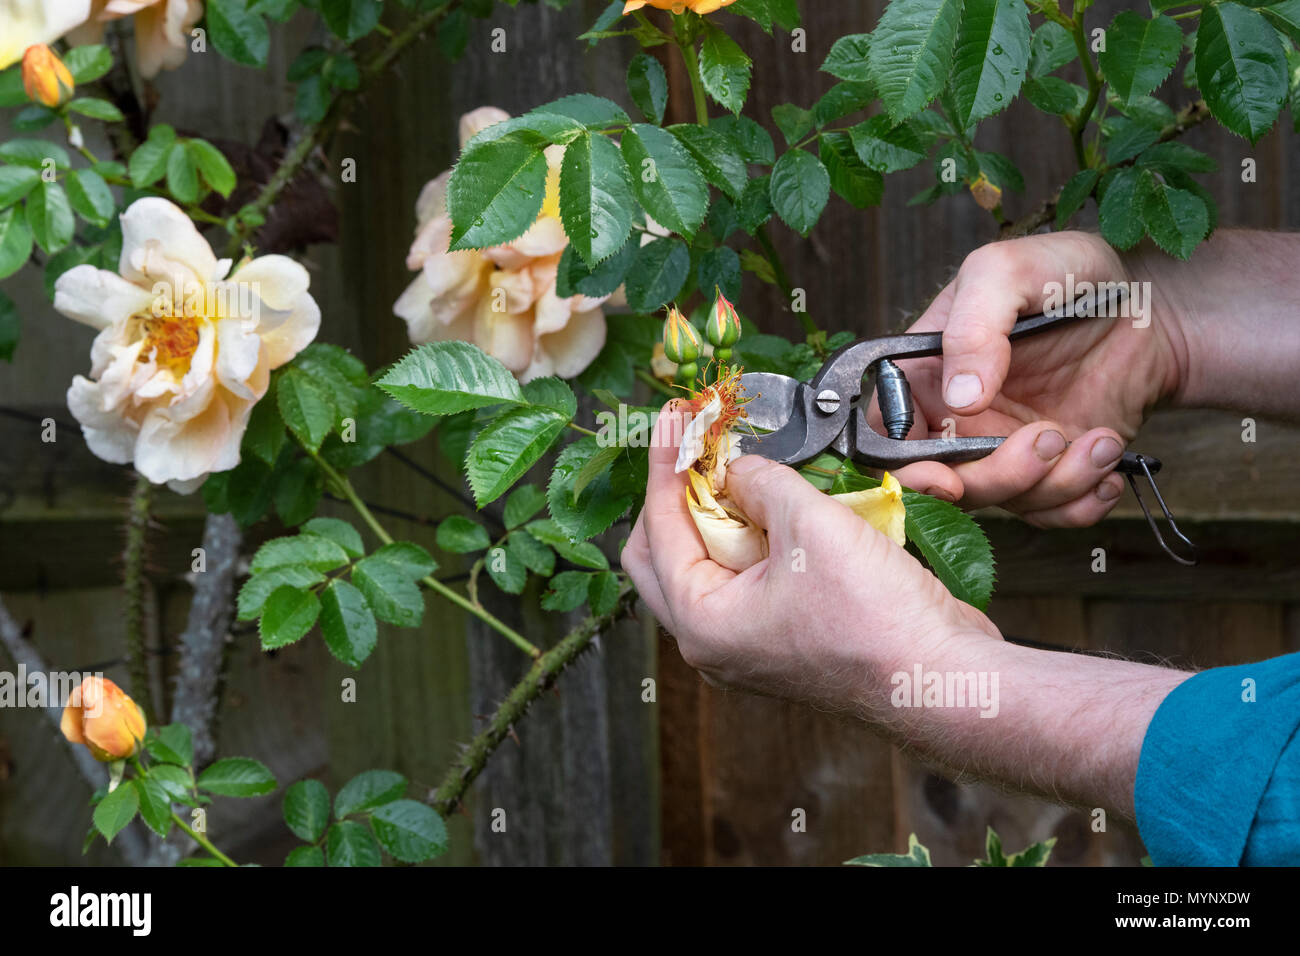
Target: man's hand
x=833 y=610
x=1089 y=384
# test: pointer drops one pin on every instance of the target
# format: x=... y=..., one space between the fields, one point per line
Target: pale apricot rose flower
x=701 y=7
x=185 y=347
x=710 y=443
x=104 y=718
x=501 y=299
x=24 y=23
x=162 y=29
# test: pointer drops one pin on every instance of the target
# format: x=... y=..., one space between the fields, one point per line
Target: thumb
x=770 y=494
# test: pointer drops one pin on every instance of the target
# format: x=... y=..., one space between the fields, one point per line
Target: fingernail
x=745 y=463
x=963 y=389
x=1049 y=444
x=943 y=494
x=1105 y=451
x=1109 y=490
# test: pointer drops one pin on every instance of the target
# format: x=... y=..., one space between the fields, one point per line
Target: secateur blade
x=783 y=406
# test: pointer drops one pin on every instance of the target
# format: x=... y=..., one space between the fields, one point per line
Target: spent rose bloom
x=162 y=29
x=102 y=716
x=24 y=23
x=185 y=347
x=501 y=299
x=678 y=6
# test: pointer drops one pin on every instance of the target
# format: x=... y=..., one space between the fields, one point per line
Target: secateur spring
x=894 y=395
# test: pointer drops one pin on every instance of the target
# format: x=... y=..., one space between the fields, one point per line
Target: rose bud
x=45 y=78
x=101 y=716
x=723 y=327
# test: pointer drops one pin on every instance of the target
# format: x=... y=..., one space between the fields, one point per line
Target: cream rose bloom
x=162 y=29
x=501 y=299
x=25 y=23
x=184 y=350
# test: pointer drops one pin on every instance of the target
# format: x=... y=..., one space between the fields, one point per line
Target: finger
x=772 y=495
x=1085 y=463
x=932 y=478
x=995 y=285
x=1015 y=466
x=677 y=552
x=1087 y=509
x=636 y=562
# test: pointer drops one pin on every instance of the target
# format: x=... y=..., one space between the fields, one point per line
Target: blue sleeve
x=1218 y=781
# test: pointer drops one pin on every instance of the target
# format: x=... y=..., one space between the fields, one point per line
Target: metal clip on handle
x=1143 y=468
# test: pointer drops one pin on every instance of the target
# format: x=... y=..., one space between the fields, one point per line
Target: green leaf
x=1240 y=68
x=886 y=148
x=90 y=196
x=306 y=408
x=531 y=553
x=916 y=855
x=1051 y=48
x=794 y=122
x=305 y=856
x=237 y=777
x=351 y=844
x=799 y=189
x=1056 y=96
x=307 y=809
x=597 y=506
x=340 y=532
x=602 y=592
x=381 y=422
x=116 y=810
x=666 y=179
x=657 y=274
x=1119 y=213
x=1285 y=16
x=96 y=108
x=841 y=100
x=724 y=69
x=410 y=831
x=347 y=623
x=11 y=326
x=953 y=545
x=524 y=502
x=719 y=269
x=1176 y=219
x=212 y=163
x=350 y=20
x=1169 y=156
x=408 y=557
x=648 y=86
x=461 y=535
x=507 y=571
x=582 y=553
x=990 y=58
x=754 y=142
x=313 y=551
x=34 y=153
x=847 y=59
x=49 y=216
x=237 y=34
x=853 y=180
x=1139 y=54
x=15 y=241
x=367 y=790
x=171 y=743
x=596 y=203
x=299 y=484
x=910 y=53
x=155 y=804
x=512 y=443
x=495 y=193
x=575 y=277
x=148 y=163
x=717 y=155
x=593 y=112
x=567 y=591
x=1126 y=139
x=253 y=595
x=175 y=780
x=1073 y=195
x=287 y=615
x=442 y=378
x=390 y=590
x=88 y=63
x=15 y=183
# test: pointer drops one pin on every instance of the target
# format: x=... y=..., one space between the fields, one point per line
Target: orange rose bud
x=45 y=77
x=723 y=328
x=681 y=342
x=101 y=716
